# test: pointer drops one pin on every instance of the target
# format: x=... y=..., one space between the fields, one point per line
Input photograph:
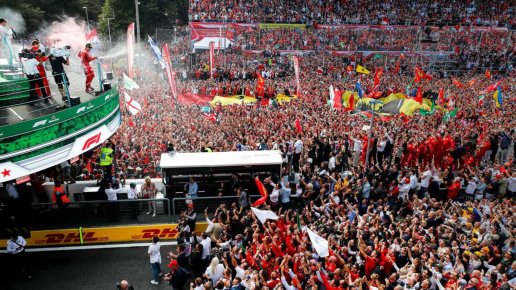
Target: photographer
x=30 y=66
x=16 y=247
x=58 y=57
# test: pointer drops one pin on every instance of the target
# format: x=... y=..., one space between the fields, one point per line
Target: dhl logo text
x=70 y=238
x=162 y=233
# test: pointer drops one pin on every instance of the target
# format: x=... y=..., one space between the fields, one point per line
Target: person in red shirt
x=86 y=57
x=453 y=190
x=41 y=68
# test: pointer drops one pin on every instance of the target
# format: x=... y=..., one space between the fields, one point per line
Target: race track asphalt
x=97 y=269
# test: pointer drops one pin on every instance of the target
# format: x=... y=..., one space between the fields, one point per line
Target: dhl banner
x=87 y=236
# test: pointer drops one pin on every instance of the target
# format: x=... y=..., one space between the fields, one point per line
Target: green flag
x=450 y=115
x=424 y=112
x=129 y=84
x=377 y=56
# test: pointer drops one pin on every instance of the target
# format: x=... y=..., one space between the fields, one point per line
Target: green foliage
x=153 y=14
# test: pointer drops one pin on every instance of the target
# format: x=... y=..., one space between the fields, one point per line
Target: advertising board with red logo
x=88 y=236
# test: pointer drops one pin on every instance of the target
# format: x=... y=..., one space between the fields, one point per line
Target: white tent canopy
x=220 y=159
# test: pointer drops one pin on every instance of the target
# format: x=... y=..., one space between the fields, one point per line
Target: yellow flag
x=362 y=70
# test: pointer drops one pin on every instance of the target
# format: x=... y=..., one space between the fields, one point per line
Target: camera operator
x=30 y=66
x=58 y=57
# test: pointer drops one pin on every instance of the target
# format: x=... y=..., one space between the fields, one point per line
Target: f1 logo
x=92 y=140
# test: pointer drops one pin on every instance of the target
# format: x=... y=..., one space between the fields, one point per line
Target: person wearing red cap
x=178 y=276
x=86 y=58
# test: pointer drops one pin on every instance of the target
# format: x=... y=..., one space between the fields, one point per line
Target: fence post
x=67 y=89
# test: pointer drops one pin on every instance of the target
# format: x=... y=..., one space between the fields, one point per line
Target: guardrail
x=210 y=202
x=100 y=213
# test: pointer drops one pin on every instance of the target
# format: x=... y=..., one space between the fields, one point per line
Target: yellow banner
x=99 y=235
x=281 y=25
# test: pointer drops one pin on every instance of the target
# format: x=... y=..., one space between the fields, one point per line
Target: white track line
x=10 y=109
x=94 y=247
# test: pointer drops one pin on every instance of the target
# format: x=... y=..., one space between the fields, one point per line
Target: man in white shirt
x=425 y=181
x=154 y=254
x=357 y=150
x=298 y=150
x=206 y=248
x=6 y=33
x=111 y=193
x=16 y=247
x=413 y=180
x=30 y=67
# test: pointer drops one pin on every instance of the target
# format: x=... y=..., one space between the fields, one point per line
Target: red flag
x=377 y=76
x=471 y=82
x=212 y=58
x=441 y=96
x=130 y=123
x=298 y=126
x=337 y=99
x=404 y=118
x=419 y=96
x=89 y=167
x=170 y=75
x=428 y=77
x=385 y=118
x=418 y=75
x=91 y=35
x=263 y=192
x=457 y=83
x=211 y=117
x=493 y=87
x=488 y=74
x=351 y=105
x=260 y=86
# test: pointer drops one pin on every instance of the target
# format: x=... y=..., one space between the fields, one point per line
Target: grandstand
x=308 y=144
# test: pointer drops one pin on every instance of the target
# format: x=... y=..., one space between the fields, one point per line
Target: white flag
x=332 y=93
x=132 y=105
x=319 y=243
x=129 y=84
x=264 y=215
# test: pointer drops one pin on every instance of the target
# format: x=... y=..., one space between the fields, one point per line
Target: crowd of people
x=487 y=13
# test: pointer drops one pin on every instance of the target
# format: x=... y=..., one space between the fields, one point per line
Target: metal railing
x=210 y=202
x=100 y=213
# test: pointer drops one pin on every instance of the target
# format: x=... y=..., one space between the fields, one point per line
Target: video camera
x=60 y=51
x=29 y=54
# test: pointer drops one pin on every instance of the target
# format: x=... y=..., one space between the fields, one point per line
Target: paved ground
x=88 y=270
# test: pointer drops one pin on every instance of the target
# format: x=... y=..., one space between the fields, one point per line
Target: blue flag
x=359 y=90
x=157 y=52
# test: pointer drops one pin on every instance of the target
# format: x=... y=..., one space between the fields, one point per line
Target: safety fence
x=101 y=213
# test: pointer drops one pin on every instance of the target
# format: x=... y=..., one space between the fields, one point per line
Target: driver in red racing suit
x=86 y=57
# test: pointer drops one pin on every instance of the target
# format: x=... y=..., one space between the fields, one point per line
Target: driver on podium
x=86 y=57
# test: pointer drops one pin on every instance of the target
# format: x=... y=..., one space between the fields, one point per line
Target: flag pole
x=373 y=102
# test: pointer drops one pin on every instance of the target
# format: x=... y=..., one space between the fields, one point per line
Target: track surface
x=97 y=269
